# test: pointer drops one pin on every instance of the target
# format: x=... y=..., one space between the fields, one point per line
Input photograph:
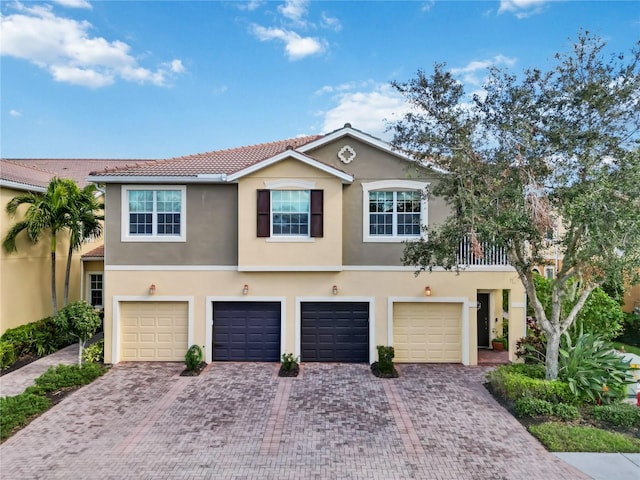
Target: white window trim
x=289 y=185
x=124 y=215
x=88 y=289
x=550 y=269
x=392 y=185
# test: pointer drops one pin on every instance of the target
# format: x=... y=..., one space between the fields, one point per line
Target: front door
x=483 y=320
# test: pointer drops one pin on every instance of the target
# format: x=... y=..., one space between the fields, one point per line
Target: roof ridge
x=253 y=145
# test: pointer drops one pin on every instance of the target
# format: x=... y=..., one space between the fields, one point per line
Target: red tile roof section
x=29 y=176
x=44 y=169
x=97 y=252
x=211 y=163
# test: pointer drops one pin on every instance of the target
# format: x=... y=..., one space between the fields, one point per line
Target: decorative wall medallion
x=347 y=154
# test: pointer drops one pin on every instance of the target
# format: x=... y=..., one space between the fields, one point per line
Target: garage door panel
x=427 y=332
x=153 y=331
x=334 y=332
x=246 y=331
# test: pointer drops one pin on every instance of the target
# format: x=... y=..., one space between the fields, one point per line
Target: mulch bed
x=21 y=362
x=375 y=369
x=293 y=372
x=194 y=373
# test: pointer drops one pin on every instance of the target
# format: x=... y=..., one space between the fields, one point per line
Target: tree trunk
x=54 y=293
x=80 y=349
x=67 y=275
x=552 y=354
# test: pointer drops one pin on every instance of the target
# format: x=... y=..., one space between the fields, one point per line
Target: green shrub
x=7 y=354
x=385 y=359
x=94 y=353
x=593 y=370
x=529 y=370
x=289 y=362
x=619 y=414
x=532 y=407
x=601 y=315
x=566 y=412
x=193 y=357
x=559 y=437
x=64 y=376
x=532 y=348
x=17 y=410
x=79 y=320
x=37 y=338
x=511 y=385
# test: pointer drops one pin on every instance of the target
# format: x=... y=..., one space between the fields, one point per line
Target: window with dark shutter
x=264 y=213
x=317 y=208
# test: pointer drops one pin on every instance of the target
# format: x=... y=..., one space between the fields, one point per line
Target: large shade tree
x=529 y=153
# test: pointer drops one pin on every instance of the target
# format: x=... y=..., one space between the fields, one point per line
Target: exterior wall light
x=245 y=289
x=335 y=289
x=152 y=289
x=427 y=291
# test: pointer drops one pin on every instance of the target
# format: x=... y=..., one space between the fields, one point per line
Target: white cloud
x=428 y=5
x=330 y=23
x=15 y=113
x=294 y=10
x=250 y=6
x=74 y=3
x=366 y=110
x=297 y=47
x=66 y=48
x=469 y=72
x=522 y=8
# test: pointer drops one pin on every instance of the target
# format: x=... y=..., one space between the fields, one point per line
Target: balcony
x=475 y=253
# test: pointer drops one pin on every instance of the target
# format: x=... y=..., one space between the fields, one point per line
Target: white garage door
x=427 y=332
x=153 y=331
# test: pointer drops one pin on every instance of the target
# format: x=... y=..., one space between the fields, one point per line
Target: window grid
x=290 y=212
x=155 y=212
x=95 y=289
x=394 y=213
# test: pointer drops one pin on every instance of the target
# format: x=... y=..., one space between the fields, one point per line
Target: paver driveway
x=239 y=420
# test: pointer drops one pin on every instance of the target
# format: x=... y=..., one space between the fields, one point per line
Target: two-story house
x=291 y=246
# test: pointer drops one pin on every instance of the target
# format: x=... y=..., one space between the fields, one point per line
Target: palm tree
x=47 y=212
x=84 y=223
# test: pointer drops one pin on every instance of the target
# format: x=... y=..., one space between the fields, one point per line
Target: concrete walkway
x=239 y=420
x=15 y=382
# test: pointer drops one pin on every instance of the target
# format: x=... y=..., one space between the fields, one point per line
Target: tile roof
x=97 y=252
x=210 y=163
x=28 y=176
x=39 y=171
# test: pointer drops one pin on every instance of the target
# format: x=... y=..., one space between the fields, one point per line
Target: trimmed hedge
x=37 y=339
x=534 y=407
x=64 y=376
x=618 y=415
x=507 y=382
x=18 y=410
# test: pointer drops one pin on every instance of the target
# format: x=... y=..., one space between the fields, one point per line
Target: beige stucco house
x=25 y=281
x=291 y=246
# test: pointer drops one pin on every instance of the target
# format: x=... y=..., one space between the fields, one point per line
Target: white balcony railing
x=480 y=253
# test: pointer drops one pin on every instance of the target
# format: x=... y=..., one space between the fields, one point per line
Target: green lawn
x=559 y=437
x=627 y=348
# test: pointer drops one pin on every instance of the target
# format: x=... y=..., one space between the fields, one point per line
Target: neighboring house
x=291 y=246
x=25 y=280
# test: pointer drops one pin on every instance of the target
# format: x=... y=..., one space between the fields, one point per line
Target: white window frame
x=549 y=273
x=393 y=186
x=288 y=184
x=89 y=290
x=124 y=219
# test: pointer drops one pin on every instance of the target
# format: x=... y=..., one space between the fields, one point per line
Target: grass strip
x=568 y=438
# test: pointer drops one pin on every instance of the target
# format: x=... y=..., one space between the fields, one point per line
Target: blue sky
x=157 y=79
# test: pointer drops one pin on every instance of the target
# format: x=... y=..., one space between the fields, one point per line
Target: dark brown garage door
x=334 y=332
x=246 y=331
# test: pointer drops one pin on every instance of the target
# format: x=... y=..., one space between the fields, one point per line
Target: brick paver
x=238 y=420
